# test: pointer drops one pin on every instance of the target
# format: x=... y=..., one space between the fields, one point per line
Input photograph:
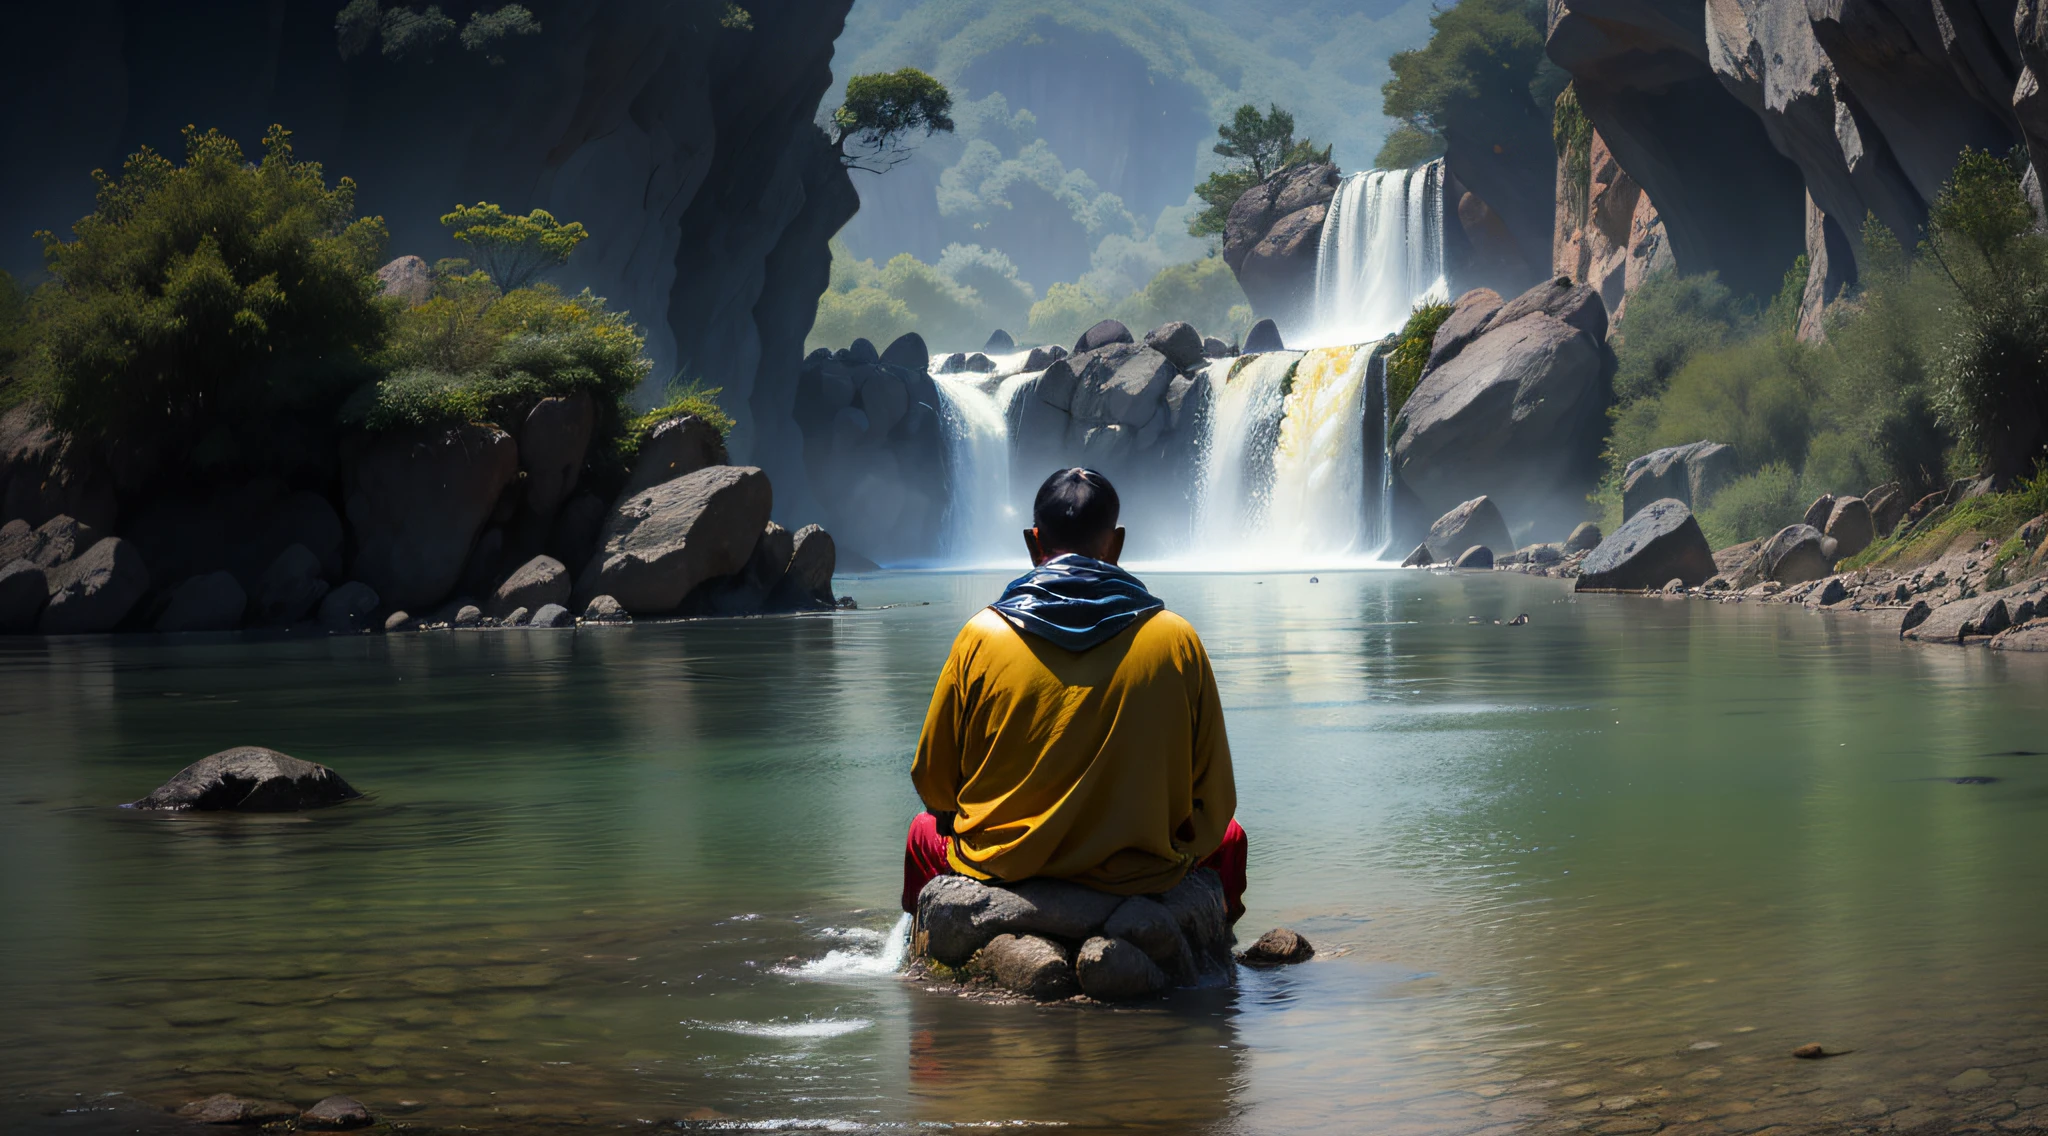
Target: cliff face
x=1763 y=128
x=687 y=149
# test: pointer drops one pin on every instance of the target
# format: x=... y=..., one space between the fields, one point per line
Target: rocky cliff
x=1762 y=129
x=687 y=148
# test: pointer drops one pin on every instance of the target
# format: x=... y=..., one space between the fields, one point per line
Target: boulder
x=249 y=779
x=1739 y=566
x=468 y=615
x=1576 y=305
x=2031 y=636
x=1278 y=947
x=408 y=278
x=1468 y=318
x=1831 y=593
x=1271 y=236
x=956 y=915
x=1956 y=620
x=1264 y=336
x=55 y=541
x=807 y=582
x=1794 y=556
x=884 y=397
x=661 y=543
x=24 y=588
x=1851 y=525
x=1123 y=385
x=1146 y=922
x=1420 y=558
x=518 y=617
x=1887 y=504
x=552 y=615
x=1043 y=357
x=212 y=602
x=1030 y=965
x=227 y=1108
x=96 y=591
x=1817 y=514
x=1102 y=335
x=417 y=501
x=1691 y=473
x=1477 y=521
x=605 y=609
x=574 y=534
x=1203 y=915
x=747 y=591
x=1214 y=348
x=999 y=343
x=1585 y=538
x=1914 y=617
x=1476 y=557
x=1115 y=970
x=909 y=352
x=862 y=350
x=1660 y=543
x=552 y=443
x=301 y=518
x=400 y=621
x=350 y=607
x=1179 y=342
x=44 y=474
x=1520 y=414
x=535 y=584
x=673 y=448
x=978 y=364
x=336 y=1113
x=17 y=541
x=290 y=587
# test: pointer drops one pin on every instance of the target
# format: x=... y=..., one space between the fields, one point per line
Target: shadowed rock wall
x=688 y=150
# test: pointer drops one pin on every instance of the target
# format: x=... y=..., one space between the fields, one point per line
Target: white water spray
x=1381 y=254
x=980 y=510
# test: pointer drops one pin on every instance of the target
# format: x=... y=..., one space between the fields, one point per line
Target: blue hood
x=1075 y=602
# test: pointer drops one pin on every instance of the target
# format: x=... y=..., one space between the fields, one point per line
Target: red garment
x=924 y=859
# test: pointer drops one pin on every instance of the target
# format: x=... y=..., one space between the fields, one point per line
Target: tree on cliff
x=408 y=32
x=514 y=250
x=206 y=312
x=1482 y=57
x=872 y=129
x=1257 y=146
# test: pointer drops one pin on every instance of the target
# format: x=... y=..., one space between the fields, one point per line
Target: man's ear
x=1116 y=546
x=1031 y=543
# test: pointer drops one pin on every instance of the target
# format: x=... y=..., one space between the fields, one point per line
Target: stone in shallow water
x=335 y=1113
x=1278 y=947
x=1031 y=965
x=249 y=779
x=1116 y=970
x=227 y=1108
x=957 y=915
x=1146 y=922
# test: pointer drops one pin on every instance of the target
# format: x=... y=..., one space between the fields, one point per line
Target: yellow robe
x=1109 y=766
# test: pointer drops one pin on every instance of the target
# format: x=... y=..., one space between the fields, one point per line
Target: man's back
x=1107 y=766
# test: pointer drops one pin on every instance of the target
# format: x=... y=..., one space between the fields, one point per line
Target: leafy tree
x=13 y=335
x=1671 y=318
x=872 y=128
x=405 y=32
x=512 y=249
x=1407 y=147
x=209 y=313
x=1257 y=146
x=1480 y=52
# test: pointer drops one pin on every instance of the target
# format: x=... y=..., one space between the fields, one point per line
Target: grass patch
x=1994 y=516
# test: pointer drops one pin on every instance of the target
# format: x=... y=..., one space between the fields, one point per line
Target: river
x=1603 y=870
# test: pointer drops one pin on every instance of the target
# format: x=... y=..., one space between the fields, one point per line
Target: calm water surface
x=1601 y=871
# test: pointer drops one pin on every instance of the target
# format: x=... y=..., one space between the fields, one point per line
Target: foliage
x=1411 y=352
x=1991 y=374
x=14 y=335
x=1572 y=131
x=1671 y=318
x=954 y=304
x=203 y=303
x=736 y=19
x=1478 y=51
x=471 y=353
x=1257 y=146
x=1408 y=146
x=1755 y=505
x=1992 y=516
x=870 y=129
x=405 y=32
x=1202 y=292
x=514 y=250
x=1066 y=312
x=693 y=398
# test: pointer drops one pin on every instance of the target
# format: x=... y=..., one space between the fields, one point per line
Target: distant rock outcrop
x=1271 y=236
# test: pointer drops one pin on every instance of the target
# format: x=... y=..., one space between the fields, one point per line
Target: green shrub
x=1670 y=318
x=1755 y=506
x=200 y=307
x=469 y=354
x=1411 y=352
x=13 y=338
x=1758 y=396
x=1202 y=292
x=1066 y=311
x=1406 y=147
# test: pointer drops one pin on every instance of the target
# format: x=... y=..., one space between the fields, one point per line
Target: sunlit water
x=1604 y=870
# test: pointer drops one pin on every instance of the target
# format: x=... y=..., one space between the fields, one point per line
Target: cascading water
x=979 y=512
x=1246 y=400
x=1381 y=253
x=1318 y=502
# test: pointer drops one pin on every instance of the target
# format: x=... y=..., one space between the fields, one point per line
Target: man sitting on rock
x=1076 y=732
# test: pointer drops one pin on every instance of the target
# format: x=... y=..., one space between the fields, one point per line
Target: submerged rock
x=1660 y=542
x=1278 y=947
x=249 y=779
x=227 y=1108
x=336 y=1113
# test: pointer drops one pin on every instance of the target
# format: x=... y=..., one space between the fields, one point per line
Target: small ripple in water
x=810 y=1029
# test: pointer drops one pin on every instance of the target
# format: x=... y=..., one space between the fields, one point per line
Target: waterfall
x=1381 y=253
x=1246 y=398
x=981 y=521
x=1318 y=502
